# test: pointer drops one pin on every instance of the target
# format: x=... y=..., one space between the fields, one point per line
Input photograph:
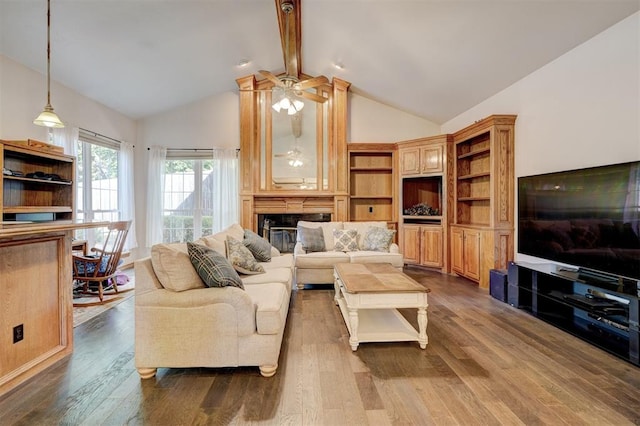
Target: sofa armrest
x=202 y=298
x=393 y=248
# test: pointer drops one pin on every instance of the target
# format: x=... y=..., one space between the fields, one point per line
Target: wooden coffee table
x=370 y=294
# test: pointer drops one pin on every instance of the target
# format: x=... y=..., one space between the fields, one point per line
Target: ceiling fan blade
x=254 y=90
x=312 y=82
x=275 y=80
x=312 y=96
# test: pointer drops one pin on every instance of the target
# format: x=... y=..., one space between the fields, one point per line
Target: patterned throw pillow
x=258 y=246
x=212 y=267
x=241 y=258
x=312 y=239
x=345 y=240
x=378 y=239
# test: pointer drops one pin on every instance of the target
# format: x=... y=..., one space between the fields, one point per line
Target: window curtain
x=225 y=188
x=126 y=191
x=67 y=137
x=155 y=194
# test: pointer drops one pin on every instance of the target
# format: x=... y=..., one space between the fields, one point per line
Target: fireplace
x=280 y=229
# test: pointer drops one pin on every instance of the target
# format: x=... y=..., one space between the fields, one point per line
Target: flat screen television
x=588 y=218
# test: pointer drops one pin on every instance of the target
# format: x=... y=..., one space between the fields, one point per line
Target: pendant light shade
x=48 y=117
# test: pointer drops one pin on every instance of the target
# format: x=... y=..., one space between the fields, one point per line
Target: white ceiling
x=434 y=59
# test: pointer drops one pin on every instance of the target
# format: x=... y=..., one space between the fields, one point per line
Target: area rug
x=87 y=306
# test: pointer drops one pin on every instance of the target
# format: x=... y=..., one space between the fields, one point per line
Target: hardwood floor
x=486 y=363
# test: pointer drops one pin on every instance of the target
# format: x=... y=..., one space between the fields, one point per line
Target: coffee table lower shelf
x=378 y=325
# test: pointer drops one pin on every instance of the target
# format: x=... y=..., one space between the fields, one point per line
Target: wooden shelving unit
x=483 y=218
x=49 y=198
x=424 y=179
x=372 y=182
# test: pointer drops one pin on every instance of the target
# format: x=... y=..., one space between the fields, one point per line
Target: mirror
x=296 y=147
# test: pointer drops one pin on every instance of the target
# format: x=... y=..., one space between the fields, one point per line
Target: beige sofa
x=317 y=267
x=181 y=323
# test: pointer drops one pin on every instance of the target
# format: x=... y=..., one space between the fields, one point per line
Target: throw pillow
x=258 y=246
x=212 y=267
x=345 y=240
x=173 y=268
x=378 y=239
x=241 y=258
x=312 y=239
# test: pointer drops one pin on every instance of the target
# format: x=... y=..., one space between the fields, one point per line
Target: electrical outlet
x=370 y=209
x=18 y=333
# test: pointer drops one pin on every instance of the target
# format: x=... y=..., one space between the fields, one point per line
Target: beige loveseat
x=181 y=323
x=317 y=267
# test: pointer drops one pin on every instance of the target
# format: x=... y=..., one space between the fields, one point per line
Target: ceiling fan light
x=285 y=103
x=298 y=104
x=276 y=106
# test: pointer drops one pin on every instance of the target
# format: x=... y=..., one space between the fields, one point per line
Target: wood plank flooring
x=486 y=364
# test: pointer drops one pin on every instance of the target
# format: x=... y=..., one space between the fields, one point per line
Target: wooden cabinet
x=424 y=202
x=483 y=204
x=422 y=245
x=37 y=183
x=465 y=257
x=416 y=160
x=372 y=182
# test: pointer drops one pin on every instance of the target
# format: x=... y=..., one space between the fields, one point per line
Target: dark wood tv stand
x=598 y=308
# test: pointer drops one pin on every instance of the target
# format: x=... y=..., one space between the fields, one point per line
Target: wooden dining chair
x=99 y=269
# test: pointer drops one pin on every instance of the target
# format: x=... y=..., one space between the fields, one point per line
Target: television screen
x=587 y=218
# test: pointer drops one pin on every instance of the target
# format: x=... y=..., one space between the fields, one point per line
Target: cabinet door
x=411 y=243
x=410 y=161
x=431 y=159
x=471 y=254
x=431 y=246
x=457 y=259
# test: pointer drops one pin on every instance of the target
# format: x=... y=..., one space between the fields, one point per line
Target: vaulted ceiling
x=434 y=59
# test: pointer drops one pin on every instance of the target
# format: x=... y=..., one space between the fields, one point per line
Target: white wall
x=371 y=121
x=581 y=110
x=23 y=96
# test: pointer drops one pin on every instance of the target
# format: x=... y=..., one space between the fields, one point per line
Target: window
x=97 y=183
x=188 y=204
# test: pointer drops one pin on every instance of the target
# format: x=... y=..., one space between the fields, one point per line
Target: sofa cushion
x=241 y=258
x=312 y=239
x=213 y=268
x=321 y=260
x=327 y=230
x=173 y=267
x=211 y=242
x=377 y=239
x=345 y=240
x=271 y=301
x=259 y=247
x=235 y=230
x=362 y=256
x=283 y=261
x=278 y=275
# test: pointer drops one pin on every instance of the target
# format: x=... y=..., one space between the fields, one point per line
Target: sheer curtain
x=126 y=196
x=225 y=188
x=155 y=194
x=67 y=137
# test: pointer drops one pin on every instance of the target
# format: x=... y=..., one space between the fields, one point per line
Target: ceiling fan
x=288 y=89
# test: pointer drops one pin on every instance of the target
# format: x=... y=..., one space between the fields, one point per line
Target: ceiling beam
x=291 y=41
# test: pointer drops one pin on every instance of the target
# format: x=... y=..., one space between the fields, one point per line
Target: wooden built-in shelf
x=474 y=198
x=474 y=175
x=38 y=209
x=371 y=169
x=32 y=180
x=475 y=152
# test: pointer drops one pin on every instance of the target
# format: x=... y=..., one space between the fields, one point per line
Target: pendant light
x=47 y=117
